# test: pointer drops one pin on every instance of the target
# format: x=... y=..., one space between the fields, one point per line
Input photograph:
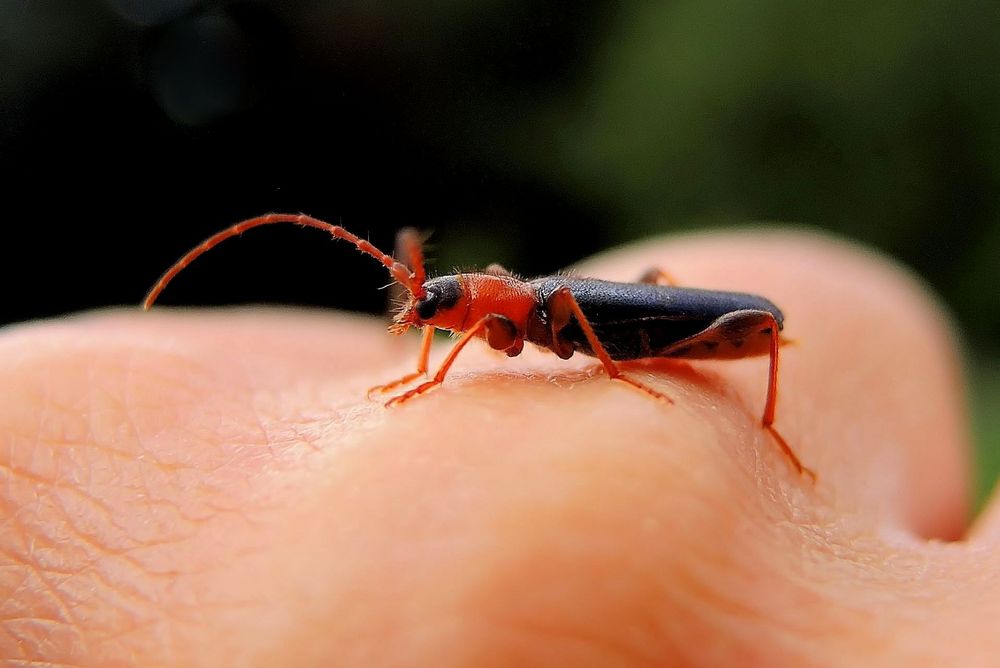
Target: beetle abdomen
x=643 y=320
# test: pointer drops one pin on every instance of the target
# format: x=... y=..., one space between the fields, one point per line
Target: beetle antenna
x=400 y=273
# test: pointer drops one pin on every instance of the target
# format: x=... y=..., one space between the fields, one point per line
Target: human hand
x=213 y=488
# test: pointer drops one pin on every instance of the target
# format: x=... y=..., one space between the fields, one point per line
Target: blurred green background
x=526 y=132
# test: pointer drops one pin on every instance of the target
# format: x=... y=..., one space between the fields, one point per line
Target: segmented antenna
x=411 y=280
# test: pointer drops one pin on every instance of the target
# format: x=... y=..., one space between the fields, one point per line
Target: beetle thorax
x=458 y=301
x=503 y=295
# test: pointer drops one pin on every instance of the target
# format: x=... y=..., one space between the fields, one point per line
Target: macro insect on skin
x=613 y=322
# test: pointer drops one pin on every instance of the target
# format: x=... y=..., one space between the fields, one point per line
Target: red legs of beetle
x=483 y=323
x=657 y=276
x=790 y=454
x=743 y=320
x=770 y=329
x=425 y=352
x=772 y=373
x=660 y=277
x=410 y=248
x=733 y=329
x=500 y=334
x=772 y=396
x=562 y=306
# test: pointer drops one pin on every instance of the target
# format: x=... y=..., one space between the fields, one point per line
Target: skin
x=205 y=488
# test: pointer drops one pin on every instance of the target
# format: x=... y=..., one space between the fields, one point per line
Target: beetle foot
x=647 y=390
x=415 y=392
x=790 y=455
x=405 y=380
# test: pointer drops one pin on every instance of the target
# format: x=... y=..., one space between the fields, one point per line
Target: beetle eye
x=427 y=307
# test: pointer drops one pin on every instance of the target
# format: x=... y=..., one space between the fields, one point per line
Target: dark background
x=528 y=132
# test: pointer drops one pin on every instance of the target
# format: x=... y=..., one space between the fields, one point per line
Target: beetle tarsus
x=642 y=387
x=405 y=380
x=423 y=388
x=801 y=468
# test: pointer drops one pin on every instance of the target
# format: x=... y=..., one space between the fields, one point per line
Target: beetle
x=614 y=322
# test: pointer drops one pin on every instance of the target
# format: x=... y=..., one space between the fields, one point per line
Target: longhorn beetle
x=613 y=322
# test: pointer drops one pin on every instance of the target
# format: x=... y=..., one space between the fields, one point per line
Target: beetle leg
x=467 y=335
x=738 y=329
x=657 y=276
x=772 y=397
x=561 y=306
x=502 y=334
x=425 y=352
x=410 y=249
x=733 y=329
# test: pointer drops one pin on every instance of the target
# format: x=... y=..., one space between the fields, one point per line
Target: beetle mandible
x=614 y=322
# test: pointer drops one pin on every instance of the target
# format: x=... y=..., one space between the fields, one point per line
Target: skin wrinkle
x=100 y=542
x=249 y=386
x=715 y=601
x=503 y=582
x=96 y=544
x=145 y=493
x=65 y=575
x=641 y=648
x=57 y=625
x=279 y=435
x=84 y=577
x=588 y=649
x=704 y=588
x=878 y=596
x=121 y=554
x=93 y=501
x=710 y=591
x=61 y=609
x=519 y=646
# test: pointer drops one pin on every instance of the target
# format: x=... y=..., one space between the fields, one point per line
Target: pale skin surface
x=212 y=488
